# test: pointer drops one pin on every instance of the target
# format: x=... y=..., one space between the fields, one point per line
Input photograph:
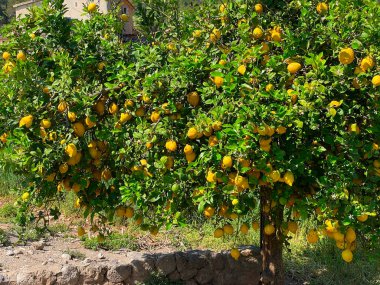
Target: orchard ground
x=305 y=263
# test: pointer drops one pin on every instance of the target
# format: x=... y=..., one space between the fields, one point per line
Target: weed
x=157 y=279
x=112 y=242
x=75 y=254
x=7 y=213
x=4 y=239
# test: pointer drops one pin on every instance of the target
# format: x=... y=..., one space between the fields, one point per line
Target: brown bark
x=271 y=246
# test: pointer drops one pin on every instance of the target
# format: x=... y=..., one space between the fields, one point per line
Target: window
x=125 y=10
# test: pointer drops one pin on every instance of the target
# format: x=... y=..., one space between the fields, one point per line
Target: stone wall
x=189 y=268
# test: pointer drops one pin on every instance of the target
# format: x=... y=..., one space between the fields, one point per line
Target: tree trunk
x=271 y=246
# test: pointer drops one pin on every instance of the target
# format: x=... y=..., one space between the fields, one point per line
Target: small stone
x=18 y=251
x=10 y=253
x=101 y=255
x=50 y=260
x=39 y=245
x=66 y=256
x=44 y=263
x=87 y=260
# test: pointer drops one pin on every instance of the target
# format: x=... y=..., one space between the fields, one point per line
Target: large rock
x=166 y=263
x=143 y=265
x=69 y=275
x=119 y=273
x=94 y=274
x=26 y=278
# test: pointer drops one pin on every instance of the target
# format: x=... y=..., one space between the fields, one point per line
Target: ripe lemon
x=120 y=211
x=25 y=196
x=6 y=55
x=269 y=229
x=235 y=202
x=218 y=81
x=197 y=33
x=21 y=56
x=235 y=253
x=338 y=236
x=171 y=145
x=211 y=177
x=350 y=235
x=192 y=133
x=193 y=98
x=269 y=87
x=257 y=33
x=362 y=218
x=292 y=227
x=26 y=121
x=227 y=162
x=346 y=56
x=276 y=36
x=62 y=106
x=188 y=149
x=71 y=150
x=79 y=129
x=45 y=123
x=129 y=212
x=376 y=81
x=281 y=130
x=242 y=69
x=289 y=178
x=124 y=17
x=71 y=116
x=155 y=117
x=244 y=228
x=312 y=236
x=125 y=117
x=367 y=63
x=228 y=229
x=191 y=157
x=209 y=211
x=89 y=123
x=294 y=67
x=259 y=8
x=76 y=187
x=255 y=226
x=63 y=168
x=322 y=8
x=218 y=233
x=347 y=255
x=91 y=7
x=81 y=231
x=113 y=108
x=106 y=174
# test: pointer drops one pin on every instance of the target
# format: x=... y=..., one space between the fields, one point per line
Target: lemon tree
x=233 y=106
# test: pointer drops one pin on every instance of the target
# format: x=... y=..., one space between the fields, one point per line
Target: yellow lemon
x=171 y=145
x=227 y=162
x=257 y=33
x=235 y=253
x=26 y=121
x=21 y=56
x=71 y=150
x=292 y=227
x=376 y=81
x=259 y=8
x=218 y=81
x=322 y=8
x=289 y=178
x=192 y=133
x=347 y=255
x=312 y=236
x=294 y=67
x=255 y=226
x=63 y=168
x=269 y=229
x=155 y=117
x=228 y=229
x=81 y=231
x=362 y=218
x=62 y=106
x=350 y=235
x=244 y=228
x=125 y=117
x=71 y=116
x=193 y=98
x=124 y=17
x=209 y=211
x=91 y=7
x=346 y=56
x=6 y=55
x=367 y=63
x=45 y=123
x=191 y=157
x=242 y=69
x=25 y=196
x=79 y=129
x=218 y=233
